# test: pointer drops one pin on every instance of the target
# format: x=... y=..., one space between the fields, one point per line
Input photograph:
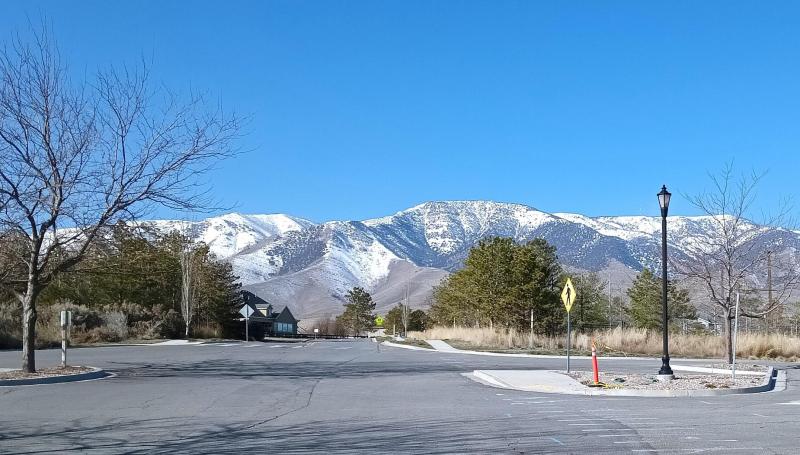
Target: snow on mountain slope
x=232 y=233
x=694 y=234
x=437 y=233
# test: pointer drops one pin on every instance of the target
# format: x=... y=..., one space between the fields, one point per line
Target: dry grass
x=624 y=342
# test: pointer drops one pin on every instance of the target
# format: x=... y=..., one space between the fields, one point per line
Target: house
x=278 y=322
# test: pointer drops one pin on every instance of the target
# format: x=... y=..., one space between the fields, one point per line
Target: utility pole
x=610 y=301
x=775 y=315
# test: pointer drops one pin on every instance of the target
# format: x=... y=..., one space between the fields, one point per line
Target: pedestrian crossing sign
x=568 y=295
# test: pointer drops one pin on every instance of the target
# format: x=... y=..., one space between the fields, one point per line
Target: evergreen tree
x=500 y=284
x=417 y=321
x=359 y=310
x=591 y=308
x=393 y=322
x=646 y=307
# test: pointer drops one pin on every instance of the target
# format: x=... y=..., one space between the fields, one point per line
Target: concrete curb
x=96 y=373
x=769 y=384
x=714 y=370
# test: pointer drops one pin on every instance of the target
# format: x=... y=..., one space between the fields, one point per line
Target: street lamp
x=665 y=373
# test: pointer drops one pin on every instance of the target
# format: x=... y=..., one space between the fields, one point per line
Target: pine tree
x=359 y=310
x=591 y=308
x=646 y=307
x=500 y=284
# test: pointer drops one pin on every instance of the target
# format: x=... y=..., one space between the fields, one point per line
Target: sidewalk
x=440 y=345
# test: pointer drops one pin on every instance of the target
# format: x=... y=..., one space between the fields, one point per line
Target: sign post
x=66 y=320
x=568 y=298
x=246 y=311
x=735 y=332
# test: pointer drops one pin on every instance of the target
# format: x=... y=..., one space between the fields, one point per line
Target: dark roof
x=285 y=315
x=253 y=299
x=255 y=302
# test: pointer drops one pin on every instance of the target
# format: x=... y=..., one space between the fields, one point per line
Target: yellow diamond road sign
x=379 y=321
x=568 y=295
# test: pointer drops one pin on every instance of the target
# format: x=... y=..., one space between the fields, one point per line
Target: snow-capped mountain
x=310 y=266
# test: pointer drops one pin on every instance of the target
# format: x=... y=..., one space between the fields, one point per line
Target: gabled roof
x=260 y=306
x=254 y=299
x=285 y=315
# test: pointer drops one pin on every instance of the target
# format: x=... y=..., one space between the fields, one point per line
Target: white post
x=735 y=331
x=63 y=346
x=65 y=320
x=530 y=343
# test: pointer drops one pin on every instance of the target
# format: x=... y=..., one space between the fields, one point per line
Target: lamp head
x=663 y=200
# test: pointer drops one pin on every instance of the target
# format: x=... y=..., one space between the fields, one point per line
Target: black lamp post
x=663 y=201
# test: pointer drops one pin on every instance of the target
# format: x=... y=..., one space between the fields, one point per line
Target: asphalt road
x=348 y=397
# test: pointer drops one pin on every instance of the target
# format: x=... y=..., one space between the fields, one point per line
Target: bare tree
x=736 y=254
x=80 y=157
x=405 y=313
x=187 y=284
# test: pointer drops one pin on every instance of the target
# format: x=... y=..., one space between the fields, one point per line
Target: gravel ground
x=43 y=373
x=682 y=381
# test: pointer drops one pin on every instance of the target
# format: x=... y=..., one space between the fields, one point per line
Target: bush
x=167 y=325
x=10 y=325
x=258 y=330
x=204 y=331
x=116 y=323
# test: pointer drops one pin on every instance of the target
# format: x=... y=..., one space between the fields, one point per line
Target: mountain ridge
x=310 y=266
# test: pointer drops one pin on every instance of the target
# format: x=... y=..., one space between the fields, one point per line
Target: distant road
x=346 y=397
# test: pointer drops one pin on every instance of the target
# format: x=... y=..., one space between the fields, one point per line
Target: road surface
x=349 y=397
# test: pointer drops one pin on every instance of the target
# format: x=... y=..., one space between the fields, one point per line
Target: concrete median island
x=685 y=385
x=11 y=377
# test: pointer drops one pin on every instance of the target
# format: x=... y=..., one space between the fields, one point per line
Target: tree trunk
x=29 y=332
x=729 y=335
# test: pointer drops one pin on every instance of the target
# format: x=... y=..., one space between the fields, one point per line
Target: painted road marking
x=649 y=423
x=699 y=450
x=557 y=441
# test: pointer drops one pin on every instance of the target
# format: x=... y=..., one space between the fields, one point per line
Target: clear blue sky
x=360 y=109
